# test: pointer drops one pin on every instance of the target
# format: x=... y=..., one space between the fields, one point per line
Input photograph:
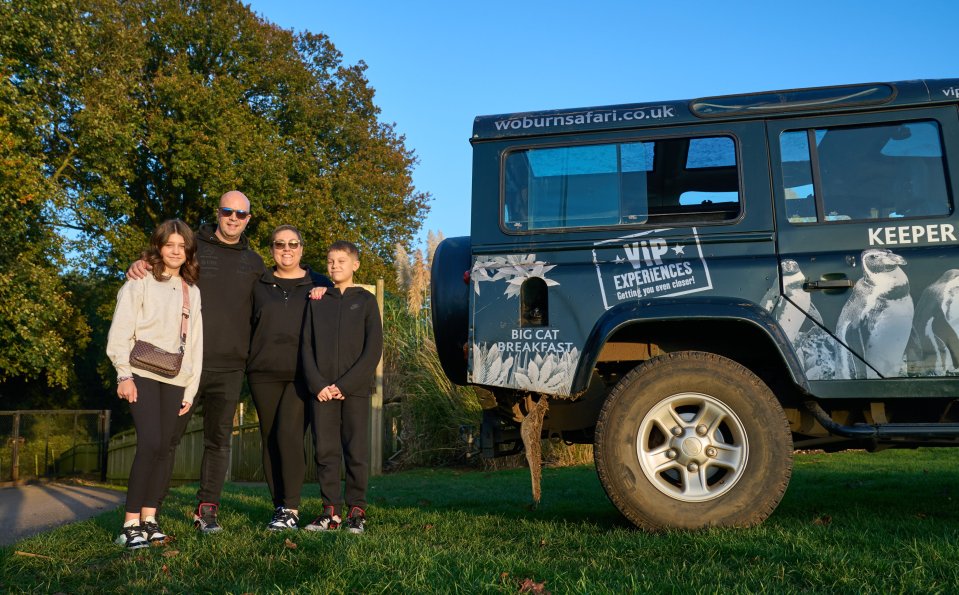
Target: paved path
x=30 y=509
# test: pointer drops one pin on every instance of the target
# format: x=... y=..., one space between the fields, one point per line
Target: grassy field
x=850 y=523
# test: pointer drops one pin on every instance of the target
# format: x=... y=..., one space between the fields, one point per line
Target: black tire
x=729 y=472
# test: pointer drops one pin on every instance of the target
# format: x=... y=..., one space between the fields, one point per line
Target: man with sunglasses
x=229 y=269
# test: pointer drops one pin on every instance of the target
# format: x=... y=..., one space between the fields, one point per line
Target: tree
x=115 y=116
x=183 y=100
x=41 y=330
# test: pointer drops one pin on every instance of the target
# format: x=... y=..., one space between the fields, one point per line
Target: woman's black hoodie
x=342 y=342
x=277 y=320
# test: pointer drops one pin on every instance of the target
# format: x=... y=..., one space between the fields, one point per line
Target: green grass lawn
x=851 y=523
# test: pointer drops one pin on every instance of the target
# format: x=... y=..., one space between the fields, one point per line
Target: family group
x=308 y=344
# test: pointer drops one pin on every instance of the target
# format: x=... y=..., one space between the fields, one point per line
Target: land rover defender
x=700 y=287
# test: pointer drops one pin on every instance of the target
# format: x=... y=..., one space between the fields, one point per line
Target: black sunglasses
x=281 y=245
x=225 y=212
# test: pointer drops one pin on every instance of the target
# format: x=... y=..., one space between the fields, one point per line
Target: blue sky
x=435 y=65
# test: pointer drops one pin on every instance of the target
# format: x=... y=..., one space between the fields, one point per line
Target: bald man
x=229 y=268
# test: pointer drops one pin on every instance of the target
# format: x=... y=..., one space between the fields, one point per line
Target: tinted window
x=886 y=171
x=666 y=181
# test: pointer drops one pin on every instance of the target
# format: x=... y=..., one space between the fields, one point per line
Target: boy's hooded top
x=342 y=342
x=277 y=322
x=228 y=273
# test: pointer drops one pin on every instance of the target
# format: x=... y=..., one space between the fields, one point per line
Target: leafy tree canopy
x=115 y=116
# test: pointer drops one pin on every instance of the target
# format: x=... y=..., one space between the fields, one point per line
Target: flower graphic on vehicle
x=552 y=375
x=514 y=269
x=490 y=367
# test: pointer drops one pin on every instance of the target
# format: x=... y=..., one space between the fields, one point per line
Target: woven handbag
x=149 y=357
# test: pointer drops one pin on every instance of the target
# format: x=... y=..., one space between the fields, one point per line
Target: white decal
x=934 y=344
x=514 y=269
x=817 y=350
x=642 y=265
x=549 y=372
x=953 y=92
x=876 y=320
x=552 y=375
x=897 y=235
x=490 y=367
x=540 y=340
x=791 y=308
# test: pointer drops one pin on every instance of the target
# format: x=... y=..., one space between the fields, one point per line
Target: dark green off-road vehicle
x=699 y=287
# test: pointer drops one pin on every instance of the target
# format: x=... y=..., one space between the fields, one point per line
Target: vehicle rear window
x=674 y=181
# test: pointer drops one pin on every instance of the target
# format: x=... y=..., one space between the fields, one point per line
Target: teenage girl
x=152 y=309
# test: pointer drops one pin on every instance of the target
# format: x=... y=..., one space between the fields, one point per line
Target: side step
x=884 y=431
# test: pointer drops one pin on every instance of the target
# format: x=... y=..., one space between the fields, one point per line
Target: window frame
x=619 y=140
x=811 y=124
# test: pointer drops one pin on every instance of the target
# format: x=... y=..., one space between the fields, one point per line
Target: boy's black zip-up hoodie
x=227 y=275
x=277 y=322
x=342 y=342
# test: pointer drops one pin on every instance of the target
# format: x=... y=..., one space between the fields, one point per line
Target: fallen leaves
x=823 y=520
x=170 y=553
x=290 y=544
x=528 y=585
x=525 y=585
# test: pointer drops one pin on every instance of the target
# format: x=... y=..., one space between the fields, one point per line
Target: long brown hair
x=190 y=271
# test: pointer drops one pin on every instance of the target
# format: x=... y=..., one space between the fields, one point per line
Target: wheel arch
x=690 y=324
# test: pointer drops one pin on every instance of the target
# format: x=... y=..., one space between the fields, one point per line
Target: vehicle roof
x=728 y=107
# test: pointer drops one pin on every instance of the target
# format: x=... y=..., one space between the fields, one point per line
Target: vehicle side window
x=673 y=181
x=863 y=173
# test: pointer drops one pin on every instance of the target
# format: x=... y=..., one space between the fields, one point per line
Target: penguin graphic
x=819 y=353
x=934 y=344
x=792 y=311
x=876 y=320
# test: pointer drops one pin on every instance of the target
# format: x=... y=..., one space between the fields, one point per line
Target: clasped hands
x=330 y=393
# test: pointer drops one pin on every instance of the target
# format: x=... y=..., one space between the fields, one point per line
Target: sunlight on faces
x=232 y=227
x=341 y=265
x=286 y=258
x=173 y=253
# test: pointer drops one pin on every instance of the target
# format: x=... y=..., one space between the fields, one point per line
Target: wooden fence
x=246 y=458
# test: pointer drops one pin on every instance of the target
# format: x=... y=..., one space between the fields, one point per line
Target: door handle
x=828 y=284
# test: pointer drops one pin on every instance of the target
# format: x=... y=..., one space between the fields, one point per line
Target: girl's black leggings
x=155 y=419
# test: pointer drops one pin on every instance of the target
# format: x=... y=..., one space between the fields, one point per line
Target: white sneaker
x=283 y=519
x=326 y=521
x=132 y=537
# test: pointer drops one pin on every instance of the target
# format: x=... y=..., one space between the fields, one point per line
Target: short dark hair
x=344 y=246
x=280 y=228
x=190 y=271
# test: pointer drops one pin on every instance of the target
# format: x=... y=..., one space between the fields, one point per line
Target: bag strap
x=186 y=314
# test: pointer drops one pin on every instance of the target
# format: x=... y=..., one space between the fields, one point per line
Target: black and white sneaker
x=283 y=519
x=328 y=521
x=356 y=520
x=204 y=519
x=152 y=532
x=132 y=537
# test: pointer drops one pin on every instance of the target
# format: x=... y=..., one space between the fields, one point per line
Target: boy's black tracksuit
x=341 y=344
x=279 y=306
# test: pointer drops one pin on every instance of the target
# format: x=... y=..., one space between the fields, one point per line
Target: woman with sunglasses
x=154 y=309
x=279 y=304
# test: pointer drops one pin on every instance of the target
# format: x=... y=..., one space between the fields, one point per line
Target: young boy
x=340 y=347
